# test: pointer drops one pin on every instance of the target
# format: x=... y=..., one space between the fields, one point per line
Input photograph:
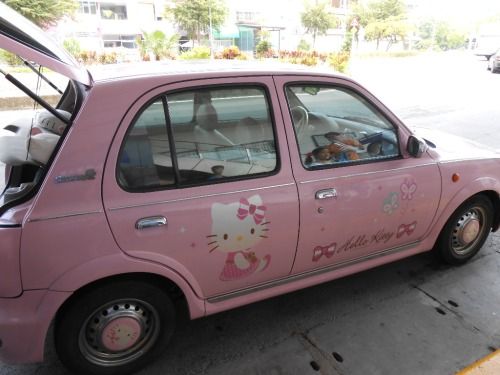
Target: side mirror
x=416 y=146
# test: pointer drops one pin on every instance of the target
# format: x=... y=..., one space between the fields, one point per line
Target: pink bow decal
x=246 y=209
x=327 y=251
x=406 y=229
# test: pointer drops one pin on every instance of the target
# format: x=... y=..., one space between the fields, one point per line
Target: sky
x=460 y=12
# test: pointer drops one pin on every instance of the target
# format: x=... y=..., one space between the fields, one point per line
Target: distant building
x=104 y=26
x=281 y=20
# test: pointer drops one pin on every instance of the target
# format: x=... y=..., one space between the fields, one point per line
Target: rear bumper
x=24 y=322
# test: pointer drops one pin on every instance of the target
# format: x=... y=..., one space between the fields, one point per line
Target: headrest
x=206 y=117
x=41 y=138
x=48 y=121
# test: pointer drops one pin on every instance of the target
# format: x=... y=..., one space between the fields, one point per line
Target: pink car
x=208 y=186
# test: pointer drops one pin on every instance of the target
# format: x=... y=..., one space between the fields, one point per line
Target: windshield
x=36 y=105
x=338 y=103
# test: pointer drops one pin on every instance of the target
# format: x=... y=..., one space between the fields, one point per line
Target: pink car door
x=199 y=180
x=360 y=196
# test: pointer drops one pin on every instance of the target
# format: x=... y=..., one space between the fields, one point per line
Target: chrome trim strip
x=199 y=196
x=300 y=276
x=470 y=159
x=364 y=173
x=64 y=216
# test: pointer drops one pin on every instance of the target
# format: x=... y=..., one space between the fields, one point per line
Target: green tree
x=194 y=15
x=317 y=20
x=72 y=46
x=44 y=13
x=382 y=10
x=303 y=46
x=383 y=20
x=435 y=33
x=392 y=30
x=157 y=43
x=447 y=37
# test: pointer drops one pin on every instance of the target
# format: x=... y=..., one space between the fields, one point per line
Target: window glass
x=218 y=134
x=334 y=126
x=222 y=133
x=144 y=160
x=110 y=11
x=126 y=41
x=88 y=7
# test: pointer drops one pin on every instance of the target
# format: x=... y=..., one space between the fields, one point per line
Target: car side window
x=334 y=126
x=142 y=157
x=210 y=135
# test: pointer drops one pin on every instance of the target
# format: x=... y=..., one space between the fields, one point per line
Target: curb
x=489 y=365
x=24 y=102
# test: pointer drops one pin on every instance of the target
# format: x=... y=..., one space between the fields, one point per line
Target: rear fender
x=120 y=264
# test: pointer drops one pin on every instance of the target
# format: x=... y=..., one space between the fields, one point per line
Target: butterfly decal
x=408 y=189
x=391 y=203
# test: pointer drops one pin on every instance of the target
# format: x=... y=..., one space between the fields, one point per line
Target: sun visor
x=23 y=38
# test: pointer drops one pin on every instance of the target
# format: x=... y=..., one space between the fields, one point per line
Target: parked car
x=207 y=186
x=485 y=52
x=494 y=62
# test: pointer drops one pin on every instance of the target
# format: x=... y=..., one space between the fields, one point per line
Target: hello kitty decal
x=236 y=229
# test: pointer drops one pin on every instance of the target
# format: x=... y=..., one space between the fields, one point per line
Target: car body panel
x=186 y=242
x=378 y=205
x=494 y=62
x=9 y=267
x=26 y=319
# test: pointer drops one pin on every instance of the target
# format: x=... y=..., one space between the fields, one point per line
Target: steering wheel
x=300 y=117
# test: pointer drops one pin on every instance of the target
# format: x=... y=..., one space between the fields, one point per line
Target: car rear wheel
x=466 y=231
x=115 y=329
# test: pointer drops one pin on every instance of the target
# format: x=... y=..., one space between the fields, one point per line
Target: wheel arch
x=118 y=267
x=495 y=200
x=167 y=285
x=456 y=202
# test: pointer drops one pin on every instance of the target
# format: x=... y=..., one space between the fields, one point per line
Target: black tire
x=117 y=328
x=466 y=231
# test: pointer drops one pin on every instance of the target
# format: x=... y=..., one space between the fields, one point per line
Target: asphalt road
x=414 y=316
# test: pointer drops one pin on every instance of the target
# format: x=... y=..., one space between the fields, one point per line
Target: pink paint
x=282 y=230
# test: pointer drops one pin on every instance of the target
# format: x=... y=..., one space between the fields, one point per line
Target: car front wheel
x=117 y=328
x=466 y=230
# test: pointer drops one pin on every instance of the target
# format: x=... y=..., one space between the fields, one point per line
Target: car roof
x=204 y=69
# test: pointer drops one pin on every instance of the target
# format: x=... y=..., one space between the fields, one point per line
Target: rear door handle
x=150 y=222
x=326 y=193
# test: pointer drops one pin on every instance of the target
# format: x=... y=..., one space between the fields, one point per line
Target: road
x=452 y=92
x=415 y=316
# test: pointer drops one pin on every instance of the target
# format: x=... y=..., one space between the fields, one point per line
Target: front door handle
x=150 y=222
x=326 y=193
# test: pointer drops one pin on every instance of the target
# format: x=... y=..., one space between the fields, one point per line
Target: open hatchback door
x=26 y=40
x=44 y=92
